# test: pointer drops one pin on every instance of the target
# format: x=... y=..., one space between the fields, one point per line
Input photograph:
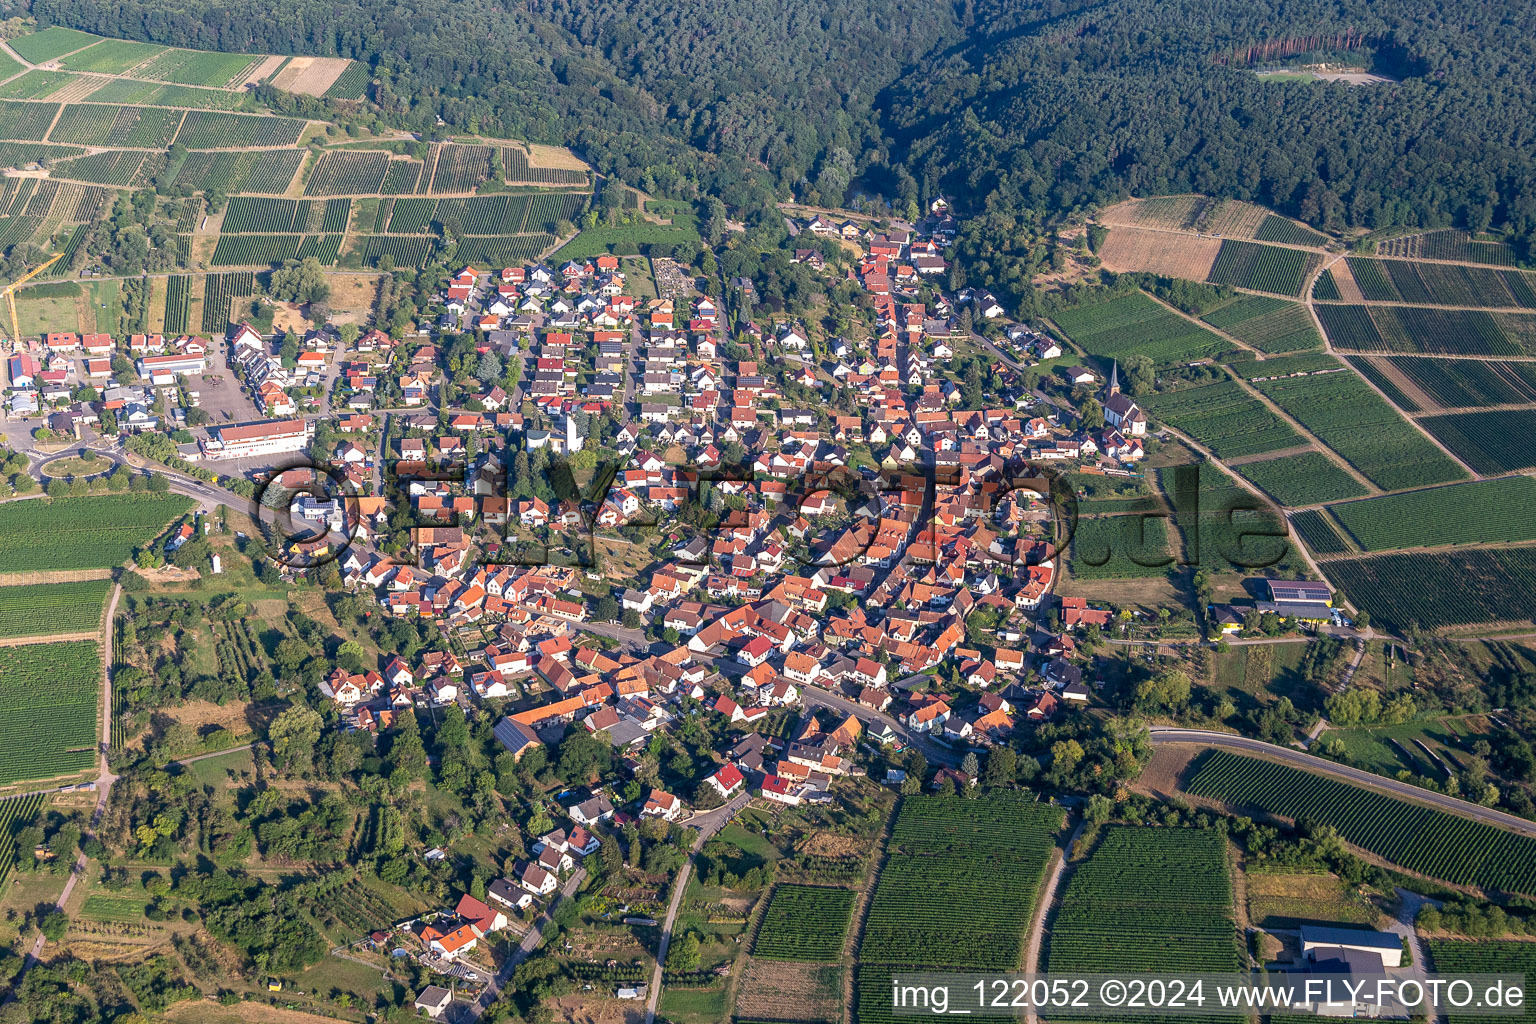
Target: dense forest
x=1024 y=110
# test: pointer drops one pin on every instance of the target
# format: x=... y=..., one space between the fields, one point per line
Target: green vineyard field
x=48 y=709
x=804 y=923
x=1148 y=899
x=1262 y=268
x=1434 y=589
x=95 y=532
x=1346 y=415
x=1134 y=324
x=1317 y=531
x=51 y=608
x=1267 y=323
x=1413 y=836
x=1492 y=441
x=1304 y=479
x=1483 y=511
x=15 y=813
x=1223 y=417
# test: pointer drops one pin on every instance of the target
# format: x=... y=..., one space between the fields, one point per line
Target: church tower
x=1114 y=379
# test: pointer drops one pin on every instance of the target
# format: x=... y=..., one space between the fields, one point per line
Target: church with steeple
x=1120 y=410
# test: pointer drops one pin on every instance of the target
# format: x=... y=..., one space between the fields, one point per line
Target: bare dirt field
x=352 y=295
x=310 y=76
x=1161 y=776
x=589 y=1008
x=19 y=579
x=1176 y=212
x=774 y=990
x=209 y=1012
x=1160 y=252
x=555 y=157
x=1234 y=219
x=1349 y=291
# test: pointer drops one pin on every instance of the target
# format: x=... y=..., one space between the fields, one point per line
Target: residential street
x=708 y=823
x=528 y=945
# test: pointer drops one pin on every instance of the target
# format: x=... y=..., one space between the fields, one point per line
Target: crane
x=10 y=295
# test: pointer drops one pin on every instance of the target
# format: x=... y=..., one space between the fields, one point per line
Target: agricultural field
x=219 y=291
x=1148 y=899
x=1480 y=512
x=26 y=121
x=1441 y=284
x=515 y=165
x=198 y=67
x=1317 y=531
x=464 y=168
x=804 y=922
x=1460 y=958
x=1305 y=479
x=52 y=608
x=503 y=250
x=51 y=44
x=1492 y=441
x=1175 y=212
x=1430 y=842
x=1343 y=412
x=628 y=239
x=1449 y=331
x=399 y=250
x=1120 y=547
x=111 y=56
x=351 y=84
x=1130 y=324
x=1327 y=288
x=1159 y=252
x=1288 y=232
x=1262 y=268
x=48 y=709
x=1437 y=589
x=15 y=813
x=178 y=303
x=959 y=882
x=1384 y=382
x=95 y=532
x=505 y=214
x=231 y=173
x=261 y=215
x=109 y=167
x=210 y=129
x=256 y=250
x=1223 y=417
x=1447 y=244
x=348 y=173
x=157 y=94
x=35 y=85
x=1221 y=522
x=1467 y=383
x=402 y=178
x=1267 y=323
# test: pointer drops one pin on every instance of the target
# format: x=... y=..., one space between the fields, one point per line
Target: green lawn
x=1374 y=750
x=694 y=1005
x=627 y=239
x=102 y=906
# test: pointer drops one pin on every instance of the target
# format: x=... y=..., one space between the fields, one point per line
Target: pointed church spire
x=1114 y=378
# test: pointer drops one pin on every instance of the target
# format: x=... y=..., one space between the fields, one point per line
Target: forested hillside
x=1023 y=109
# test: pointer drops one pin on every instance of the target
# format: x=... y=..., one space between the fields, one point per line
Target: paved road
x=935 y=752
x=528 y=945
x=708 y=823
x=1298 y=759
